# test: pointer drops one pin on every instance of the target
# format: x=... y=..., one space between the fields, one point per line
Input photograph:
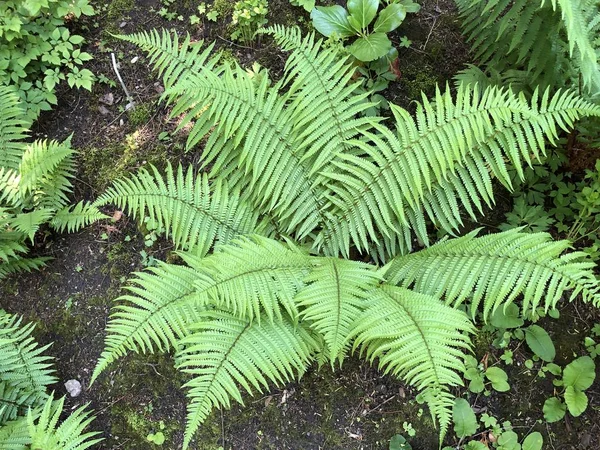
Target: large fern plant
x=34 y=184
x=29 y=416
x=299 y=242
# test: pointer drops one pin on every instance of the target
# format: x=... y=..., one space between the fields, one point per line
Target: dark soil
x=354 y=408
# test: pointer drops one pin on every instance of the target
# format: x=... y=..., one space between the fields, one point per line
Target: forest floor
x=355 y=407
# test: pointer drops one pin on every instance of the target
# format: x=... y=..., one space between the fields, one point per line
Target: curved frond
x=155 y=315
x=194 y=213
x=493 y=270
x=416 y=338
x=438 y=161
x=224 y=352
x=336 y=293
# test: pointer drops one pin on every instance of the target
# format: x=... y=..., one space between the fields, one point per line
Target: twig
x=116 y=69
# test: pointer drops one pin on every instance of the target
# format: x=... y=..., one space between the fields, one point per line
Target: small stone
x=107 y=99
x=158 y=88
x=121 y=122
x=73 y=387
x=134 y=59
x=129 y=106
x=103 y=110
x=122 y=24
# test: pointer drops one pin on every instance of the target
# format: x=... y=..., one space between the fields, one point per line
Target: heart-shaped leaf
x=370 y=47
x=332 y=19
x=533 y=442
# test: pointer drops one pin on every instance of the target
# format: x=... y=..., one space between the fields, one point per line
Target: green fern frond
x=438 y=161
x=13 y=129
x=224 y=351
x=40 y=162
x=173 y=60
x=29 y=223
x=20 y=264
x=252 y=276
x=416 y=338
x=46 y=434
x=157 y=315
x=493 y=270
x=14 y=434
x=10 y=194
x=194 y=213
x=73 y=218
x=336 y=294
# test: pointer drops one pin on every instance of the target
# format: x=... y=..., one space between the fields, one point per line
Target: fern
x=497 y=268
x=28 y=415
x=193 y=215
x=532 y=42
x=224 y=351
x=12 y=129
x=304 y=165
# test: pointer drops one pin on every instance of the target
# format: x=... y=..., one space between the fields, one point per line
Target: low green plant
x=577 y=377
x=299 y=244
x=479 y=378
x=35 y=180
x=247 y=17
x=37 y=50
x=308 y=5
x=29 y=416
x=370 y=43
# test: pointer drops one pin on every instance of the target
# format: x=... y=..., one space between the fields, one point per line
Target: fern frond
x=46 y=434
x=14 y=435
x=157 y=315
x=252 y=276
x=13 y=129
x=493 y=270
x=19 y=264
x=224 y=351
x=47 y=160
x=174 y=61
x=73 y=218
x=194 y=213
x=336 y=293
x=29 y=223
x=439 y=160
x=416 y=338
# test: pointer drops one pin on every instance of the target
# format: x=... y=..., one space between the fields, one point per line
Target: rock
x=158 y=88
x=73 y=387
x=134 y=59
x=103 y=110
x=107 y=99
x=122 y=24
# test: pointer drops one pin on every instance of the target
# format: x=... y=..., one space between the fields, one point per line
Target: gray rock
x=73 y=387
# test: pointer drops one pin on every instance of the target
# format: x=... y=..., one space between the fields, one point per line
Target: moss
x=223 y=7
x=117 y=9
x=140 y=115
x=419 y=78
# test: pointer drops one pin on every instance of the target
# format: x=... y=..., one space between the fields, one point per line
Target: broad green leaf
x=509 y=440
x=554 y=410
x=398 y=442
x=370 y=47
x=576 y=401
x=390 y=18
x=533 y=442
x=332 y=19
x=540 y=343
x=475 y=445
x=476 y=385
x=498 y=378
x=509 y=318
x=363 y=10
x=580 y=374
x=465 y=422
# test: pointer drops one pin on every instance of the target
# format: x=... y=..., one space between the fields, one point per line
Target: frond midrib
x=418 y=327
x=167 y=194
